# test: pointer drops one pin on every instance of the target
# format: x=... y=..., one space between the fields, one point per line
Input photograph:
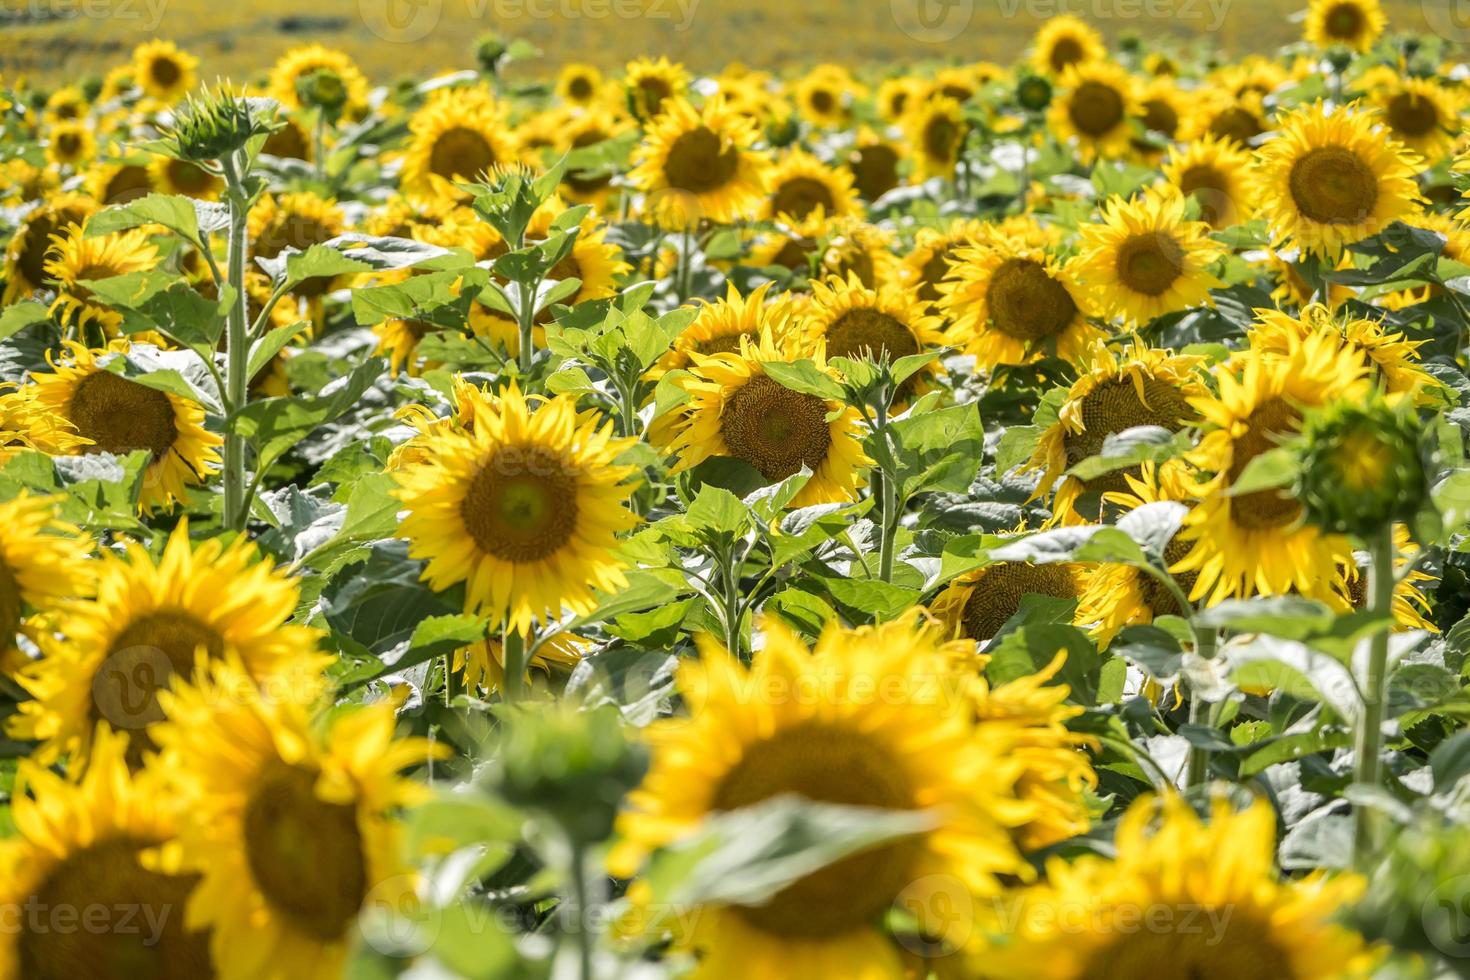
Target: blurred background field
x=47 y=40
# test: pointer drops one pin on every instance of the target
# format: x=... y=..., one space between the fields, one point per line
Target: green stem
x=734 y=612
x=514 y=646
x=686 y=261
x=526 y=324
x=1370 y=725
x=1199 y=758
x=581 y=895
x=237 y=354
x=319 y=148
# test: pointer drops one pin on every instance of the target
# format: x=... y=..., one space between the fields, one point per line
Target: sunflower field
x=865 y=522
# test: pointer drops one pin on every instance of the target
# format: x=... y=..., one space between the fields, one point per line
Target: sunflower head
x=302 y=63
x=460 y=135
x=937 y=130
x=700 y=164
x=1354 y=24
x=214 y=125
x=76 y=259
x=1361 y=466
x=885 y=324
x=71 y=143
x=163 y=71
x=800 y=184
x=1216 y=174
x=579 y=84
x=650 y=84
x=976 y=605
x=1066 y=42
x=1096 y=107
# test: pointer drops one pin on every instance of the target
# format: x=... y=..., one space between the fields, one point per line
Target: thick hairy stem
x=237 y=363
x=1370 y=725
x=515 y=665
x=1199 y=757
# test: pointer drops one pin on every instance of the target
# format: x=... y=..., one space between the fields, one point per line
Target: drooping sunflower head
x=936 y=130
x=163 y=71
x=1354 y=24
x=700 y=164
x=75 y=259
x=1390 y=359
x=483 y=662
x=1066 y=42
x=70 y=143
x=579 y=84
x=113 y=414
x=459 y=135
x=735 y=409
x=1178 y=870
x=1116 y=391
x=289 y=825
x=800 y=184
x=649 y=84
x=1329 y=179
x=26 y=255
x=303 y=62
x=152 y=624
x=1144 y=259
x=1095 y=107
x=1009 y=302
x=888 y=323
x=753 y=735
x=1215 y=174
x=525 y=509
x=977 y=604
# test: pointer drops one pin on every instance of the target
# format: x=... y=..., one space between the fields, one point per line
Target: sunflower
x=719 y=326
x=579 y=84
x=824 y=95
x=302 y=62
x=1456 y=249
x=800 y=184
x=25 y=256
x=43 y=565
x=579 y=130
x=1257 y=543
x=1353 y=24
x=22 y=181
x=163 y=71
x=1162 y=108
x=1213 y=902
x=115 y=415
x=482 y=664
x=856 y=247
x=1216 y=174
x=66 y=104
x=932 y=257
x=851 y=320
x=1329 y=179
x=172 y=176
x=1391 y=361
x=1410 y=605
x=597 y=263
x=1096 y=107
x=298 y=221
x=1144 y=260
x=1008 y=302
x=104 y=839
x=24 y=425
x=290 y=828
x=753 y=735
x=117 y=181
x=1239 y=118
x=111 y=656
x=977 y=604
x=75 y=258
x=736 y=409
x=936 y=130
x=459 y=135
x=1115 y=391
x=1252 y=75
x=650 y=84
x=1066 y=42
x=895 y=95
x=524 y=509
x=290 y=141
x=700 y=164
x=70 y=143
x=874 y=163
x=1419 y=112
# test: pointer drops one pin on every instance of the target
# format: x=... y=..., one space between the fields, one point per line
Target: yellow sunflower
x=1410 y=605
x=1115 y=391
x=700 y=164
x=874 y=162
x=66 y=104
x=103 y=839
x=117 y=181
x=1420 y=113
x=593 y=260
x=1391 y=360
x=70 y=143
x=1353 y=24
x=851 y=320
x=24 y=425
x=75 y=258
x=856 y=247
x=583 y=129
x=1162 y=108
x=172 y=176
x=43 y=564
x=302 y=62
x=289 y=826
x=1144 y=260
x=800 y=184
x=110 y=657
x=1066 y=42
x=296 y=220
x=1257 y=543
x=895 y=95
x=1216 y=174
x=977 y=604
x=22 y=181
x=290 y=142
x=719 y=326
x=932 y=257
x=936 y=130
x=1329 y=179
x=115 y=415
x=525 y=509
x=459 y=135
x=1207 y=895
x=578 y=84
x=650 y=84
x=163 y=71
x=824 y=96
x=736 y=409
x=753 y=735
x=1220 y=114
x=1096 y=107
x=1009 y=302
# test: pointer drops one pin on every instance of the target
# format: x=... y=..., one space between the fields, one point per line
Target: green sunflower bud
x=782 y=131
x=324 y=90
x=1340 y=58
x=1033 y=93
x=1361 y=467
x=213 y=126
x=490 y=52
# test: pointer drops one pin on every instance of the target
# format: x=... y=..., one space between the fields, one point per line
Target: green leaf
x=719 y=512
x=1289 y=617
x=802 y=610
x=1024 y=651
x=15 y=318
x=1273 y=469
x=174 y=212
x=804 y=376
x=268 y=346
x=878 y=599
x=1127 y=449
x=277 y=424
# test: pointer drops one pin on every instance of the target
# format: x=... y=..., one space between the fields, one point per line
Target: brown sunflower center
x=1150 y=262
x=188 y=178
x=800 y=196
x=1264 y=510
x=1156 y=596
x=854 y=259
x=932 y=273
x=860 y=333
x=653 y=91
x=700 y=162
x=1345 y=21
x=822 y=101
x=1160 y=117
x=146 y=938
x=1114 y=406
x=522 y=506
x=776 y=429
x=12 y=607
x=1095 y=108
x=305 y=854
x=1211 y=189
x=999 y=591
x=1332 y=185
x=827 y=764
x=725 y=344
x=120 y=416
x=69 y=144
x=1237 y=123
x=942 y=138
x=288 y=142
x=874 y=170
x=1413 y=115
x=130 y=182
x=165 y=71
x=1026 y=302
x=1064 y=52
x=580 y=89
x=1245 y=950
x=461 y=152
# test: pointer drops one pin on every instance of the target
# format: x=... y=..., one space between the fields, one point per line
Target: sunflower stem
x=581 y=897
x=1199 y=757
x=1370 y=724
x=514 y=647
x=237 y=363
